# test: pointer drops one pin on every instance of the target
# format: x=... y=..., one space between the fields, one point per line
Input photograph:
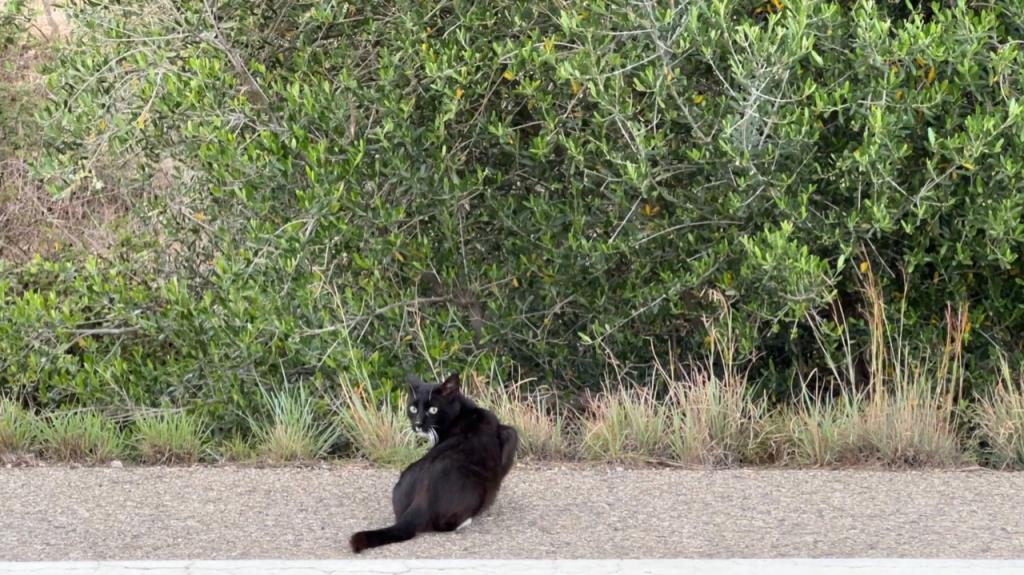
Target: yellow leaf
x=574 y=86
x=863 y=267
x=102 y=124
x=515 y=282
x=458 y=93
x=931 y=74
x=199 y=216
x=668 y=74
x=899 y=95
x=140 y=122
x=778 y=5
x=549 y=45
x=968 y=165
x=508 y=75
x=429 y=29
x=698 y=99
x=398 y=256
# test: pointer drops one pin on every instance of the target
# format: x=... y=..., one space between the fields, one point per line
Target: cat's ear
x=450 y=387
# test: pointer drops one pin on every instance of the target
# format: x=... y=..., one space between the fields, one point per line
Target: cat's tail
x=405 y=529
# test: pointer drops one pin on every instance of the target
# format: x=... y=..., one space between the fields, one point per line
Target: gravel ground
x=543 y=512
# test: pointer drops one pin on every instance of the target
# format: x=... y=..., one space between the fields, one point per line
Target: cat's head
x=431 y=408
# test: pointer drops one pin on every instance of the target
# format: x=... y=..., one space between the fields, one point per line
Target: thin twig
x=105 y=331
x=252 y=88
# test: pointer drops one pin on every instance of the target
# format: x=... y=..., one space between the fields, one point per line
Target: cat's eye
x=412 y=409
x=432 y=410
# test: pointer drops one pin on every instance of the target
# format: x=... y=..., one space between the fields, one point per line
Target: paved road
x=529 y=567
x=543 y=512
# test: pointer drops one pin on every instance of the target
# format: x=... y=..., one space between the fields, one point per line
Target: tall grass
x=234 y=449
x=910 y=423
x=715 y=418
x=714 y=421
x=17 y=430
x=820 y=431
x=1000 y=423
x=707 y=415
x=292 y=430
x=80 y=437
x=624 y=423
x=169 y=438
x=375 y=428
x=906 y=414
x=539 y=422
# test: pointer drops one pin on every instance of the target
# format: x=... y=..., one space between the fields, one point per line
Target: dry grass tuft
x=292 y=432
x=907 y=414
x=1000 y=421
x=170 y=438
x=708 y=416
x=18 y=429
x=535 y=415
x=625 y=423
x=80 y=437
x=374 y=427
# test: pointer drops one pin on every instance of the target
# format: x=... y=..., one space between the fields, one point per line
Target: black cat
x=470 y=453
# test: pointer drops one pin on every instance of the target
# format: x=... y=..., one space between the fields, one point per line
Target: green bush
x=549 y=184
x=12 y=24
x=12 y=35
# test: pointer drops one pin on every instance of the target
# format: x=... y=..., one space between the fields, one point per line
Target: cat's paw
x=358 y=542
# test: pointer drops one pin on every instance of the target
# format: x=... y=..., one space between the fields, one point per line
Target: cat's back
x=478 y=421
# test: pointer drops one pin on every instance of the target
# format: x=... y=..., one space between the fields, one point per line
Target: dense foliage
x=555 y=185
